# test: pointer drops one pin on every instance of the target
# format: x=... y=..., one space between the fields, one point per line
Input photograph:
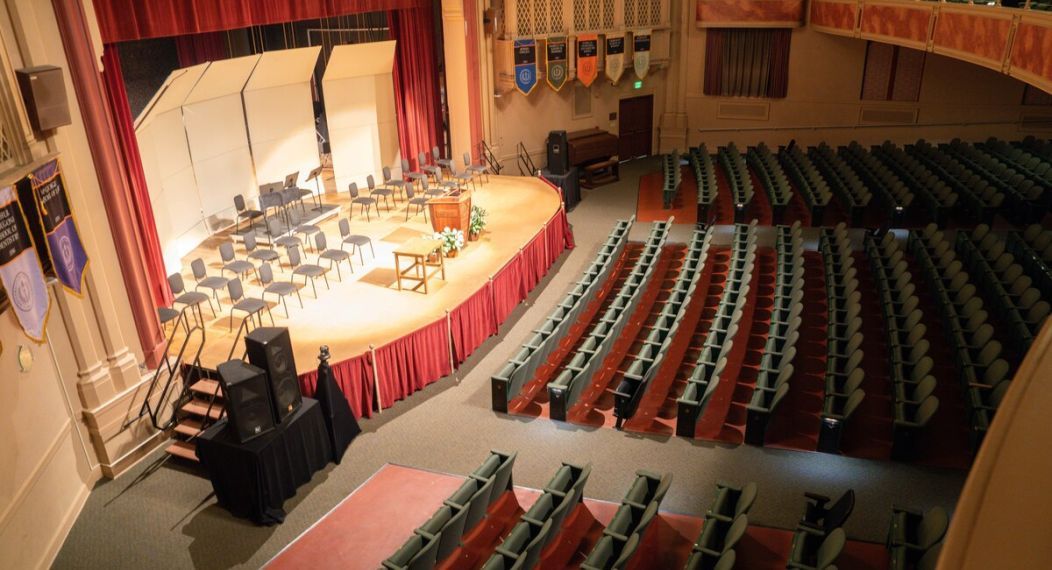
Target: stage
x=366 y=309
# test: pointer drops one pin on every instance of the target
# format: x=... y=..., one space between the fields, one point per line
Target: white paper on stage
x=279 y=112
x=168 y=167
x=360 y=111
x=214 y=119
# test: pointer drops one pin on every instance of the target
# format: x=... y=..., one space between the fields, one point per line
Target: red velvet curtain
x=412 y=362
x=715 y=39
x=778 y=80
x=146 y=227
x=535 y=261
x=354 y=376
x=417 y=101
x=507 y=289
x=472 y=322
x=124 y=20
x=193 y=49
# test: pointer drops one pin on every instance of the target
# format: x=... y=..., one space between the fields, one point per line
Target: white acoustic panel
x=169 y=169
x=360 y=111
x=214 y=118
x=279 y=112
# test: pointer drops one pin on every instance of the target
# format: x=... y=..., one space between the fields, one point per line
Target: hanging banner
x=67 y=252
x=587 y=58
x=615 y=56
x=20 y=270
x=555 y=62
x=641 y=53
x=525 y=65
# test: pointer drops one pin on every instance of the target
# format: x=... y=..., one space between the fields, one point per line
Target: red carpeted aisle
x=797 y=210
x=796 y=422
x=724 y=417
x=760 y=208
x=868 y=432
x=946 y=441
x=722 y=211
x=595 y=408
x=534 y=398
x=657 y=410
x=650 y=203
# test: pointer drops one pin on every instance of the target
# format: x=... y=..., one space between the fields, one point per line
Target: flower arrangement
x=452 y=241
x=478 y=222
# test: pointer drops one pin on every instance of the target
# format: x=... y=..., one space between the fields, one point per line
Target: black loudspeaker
x=558 y=153
x=270 y=348
x=247 y=399
x=44 y=94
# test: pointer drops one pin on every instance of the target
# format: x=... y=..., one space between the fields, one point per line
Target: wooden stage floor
x=366 y=308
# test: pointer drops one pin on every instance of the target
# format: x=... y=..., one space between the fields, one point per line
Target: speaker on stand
x=270 y=348
x=247 y=399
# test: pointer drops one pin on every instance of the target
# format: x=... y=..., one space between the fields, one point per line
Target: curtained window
x=892 y=73
x=747 y=62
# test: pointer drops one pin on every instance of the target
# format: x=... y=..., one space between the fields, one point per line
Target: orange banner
x=587 y=58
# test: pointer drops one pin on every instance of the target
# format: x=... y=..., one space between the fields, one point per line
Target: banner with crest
x=587 y=58
x=20 y=271
x=641 y=53
x=555 y=62
x=56 y=217
x=525 y=65
x=615 y=56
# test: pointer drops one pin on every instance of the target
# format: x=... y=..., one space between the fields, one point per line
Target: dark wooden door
x=635 y=127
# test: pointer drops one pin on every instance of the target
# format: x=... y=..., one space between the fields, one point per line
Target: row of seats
x=809 y=182
x=937 y=197
x=915 y=537
x=1027 y=278
x=979 y=200
x=619 y=543
x=965 y=324
x=704 y=174
x=522 y=547
x=725 y=524
x=712 y=359
x=1025 y=199
x=645 y=364
x=776 y=365
x=1040 y=241
x=1002 y=282
x=893 y=192
x=1034 y=167
x=913 y=385
x=844 y=374
x=853 y=195
x=565 y=390
x=673 y=175
x=1026 y=252
x=520 y=368
x=738 y=177
x=774 y=180
x=1040 y=148
x=441 y=535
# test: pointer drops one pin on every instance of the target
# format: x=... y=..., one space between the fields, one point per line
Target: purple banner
x=67 y=252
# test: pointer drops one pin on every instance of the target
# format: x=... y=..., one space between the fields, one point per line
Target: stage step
x=183 y=450
x=206 y=387
x=200 y=408
x=188 y=427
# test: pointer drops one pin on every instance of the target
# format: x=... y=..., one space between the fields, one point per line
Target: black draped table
x=568 y=183
x=253 y=479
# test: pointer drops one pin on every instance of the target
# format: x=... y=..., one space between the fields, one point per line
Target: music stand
x=270 y=196
x=315 y=175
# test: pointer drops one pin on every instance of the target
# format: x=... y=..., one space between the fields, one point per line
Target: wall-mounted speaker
x=44 y=95
x=270 y=348
x=247 y=399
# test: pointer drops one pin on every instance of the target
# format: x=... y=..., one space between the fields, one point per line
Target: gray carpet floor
x=161 y=515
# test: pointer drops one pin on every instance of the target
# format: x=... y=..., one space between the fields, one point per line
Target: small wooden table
x=418 y=250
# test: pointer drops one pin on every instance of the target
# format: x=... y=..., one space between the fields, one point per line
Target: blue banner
x=20 y=271
x=525 y=65
x=67 y=252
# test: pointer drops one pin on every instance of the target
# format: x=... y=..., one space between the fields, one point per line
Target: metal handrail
x=172 y=369
x=525 y=163
x=490 y=158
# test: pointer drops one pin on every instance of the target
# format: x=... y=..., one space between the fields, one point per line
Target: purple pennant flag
x=67 y=252
x=20 y=270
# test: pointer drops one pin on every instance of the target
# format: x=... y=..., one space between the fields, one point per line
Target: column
x=673 y=123
x=454 y=39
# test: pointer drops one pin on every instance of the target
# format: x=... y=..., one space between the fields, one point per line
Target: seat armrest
x=818 y=499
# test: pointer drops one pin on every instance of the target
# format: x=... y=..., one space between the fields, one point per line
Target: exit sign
x=638 y=84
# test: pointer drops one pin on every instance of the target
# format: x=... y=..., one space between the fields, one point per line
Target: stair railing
x=169 y=375
x=490 y=158
x=525 y=163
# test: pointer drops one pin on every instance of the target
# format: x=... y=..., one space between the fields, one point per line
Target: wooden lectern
x=451 y=210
